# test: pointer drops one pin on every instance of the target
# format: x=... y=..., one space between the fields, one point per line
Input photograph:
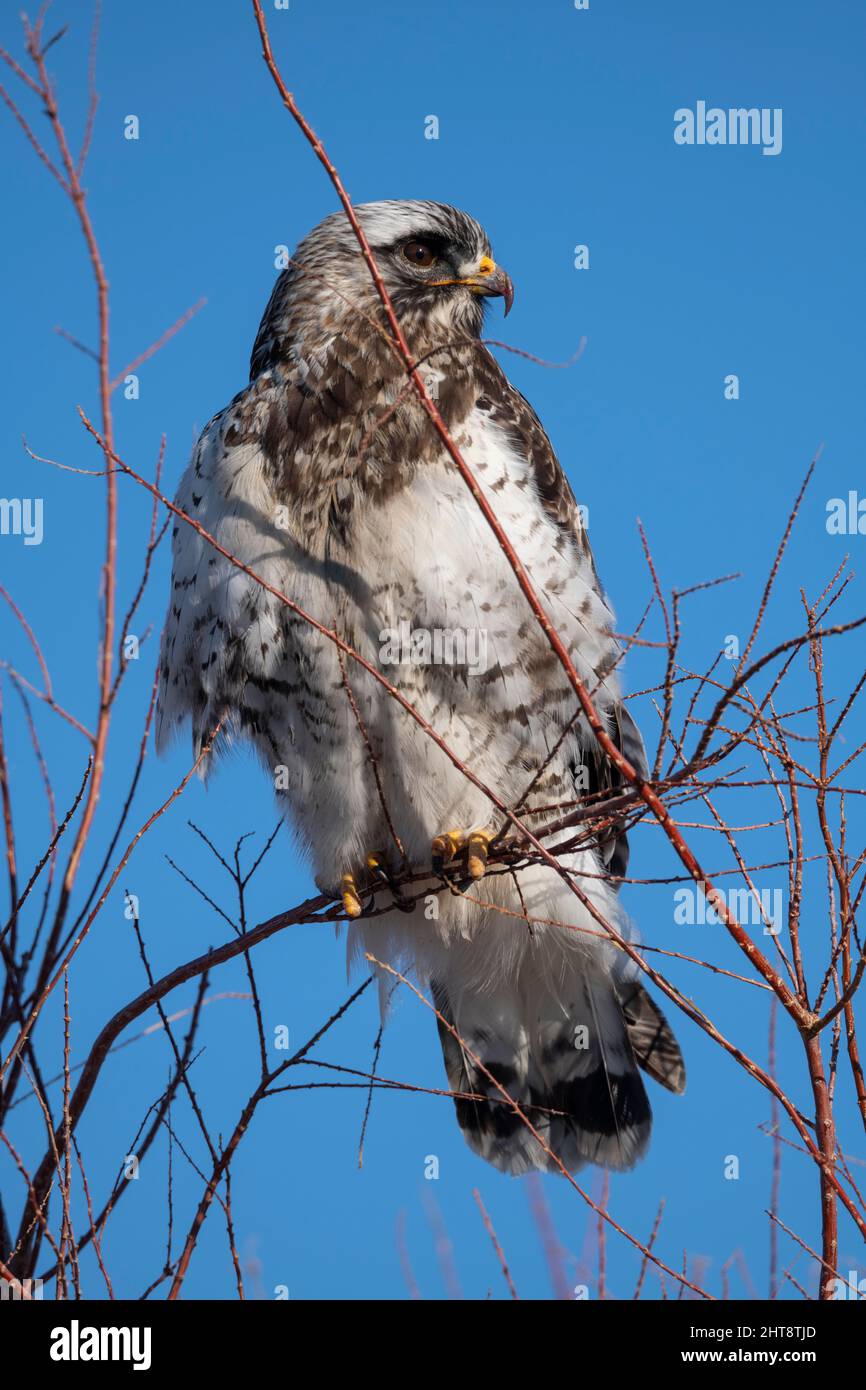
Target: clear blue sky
x=556 y=128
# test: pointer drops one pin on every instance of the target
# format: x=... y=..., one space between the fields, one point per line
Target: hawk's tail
x=570 y=1062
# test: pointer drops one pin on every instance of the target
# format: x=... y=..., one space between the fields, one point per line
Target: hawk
x=326 y=478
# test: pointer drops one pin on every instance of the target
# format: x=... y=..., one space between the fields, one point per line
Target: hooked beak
x=488 y=280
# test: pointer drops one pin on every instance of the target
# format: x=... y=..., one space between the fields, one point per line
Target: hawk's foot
x=351 y=897
x=450 y=848
x=444 y=850
x=377 y=874
x=476 y=853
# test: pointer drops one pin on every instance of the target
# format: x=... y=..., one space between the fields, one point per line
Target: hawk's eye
x=420 y=254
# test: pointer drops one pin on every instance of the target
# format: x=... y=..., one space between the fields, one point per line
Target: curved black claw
x=379 y=870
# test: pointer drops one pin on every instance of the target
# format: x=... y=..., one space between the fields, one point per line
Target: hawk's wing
x=513 y=413
x=649 y=1033
x=219 y=620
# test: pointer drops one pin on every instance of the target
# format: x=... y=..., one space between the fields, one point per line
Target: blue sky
x=555 y=129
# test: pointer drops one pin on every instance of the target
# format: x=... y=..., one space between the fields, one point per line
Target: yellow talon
x=476 y=853
x=351 y=901
x=444 y=848
x=377 y=866
x=447 y=846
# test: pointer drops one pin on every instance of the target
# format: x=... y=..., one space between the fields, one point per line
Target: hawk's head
x=435 y=262
x=430 y=255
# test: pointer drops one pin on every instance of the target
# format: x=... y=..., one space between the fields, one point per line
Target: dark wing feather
x=605 y=780
x=655 y=1048
x=513 y=413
